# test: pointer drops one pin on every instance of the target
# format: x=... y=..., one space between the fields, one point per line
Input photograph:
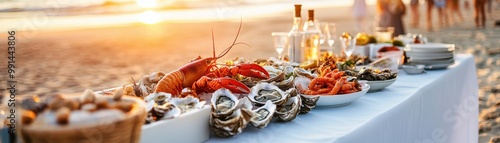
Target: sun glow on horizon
x=147 y=3
x=149 y=17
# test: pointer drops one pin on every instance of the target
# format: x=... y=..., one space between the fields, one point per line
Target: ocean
x=26 y=15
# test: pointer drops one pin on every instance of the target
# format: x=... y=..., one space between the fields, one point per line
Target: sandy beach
x=70 y=61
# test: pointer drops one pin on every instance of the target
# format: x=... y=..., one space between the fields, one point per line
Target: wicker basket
x=126 y=130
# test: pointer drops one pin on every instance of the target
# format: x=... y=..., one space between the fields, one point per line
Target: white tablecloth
x=439 y=106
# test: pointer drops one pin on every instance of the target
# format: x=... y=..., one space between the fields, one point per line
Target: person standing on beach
x=490 y=5
x=430 y=6
x=479 y=13
x=454 y=9
x=391 y=14
x=359 y=13
x=442 y=14
x=415 y=13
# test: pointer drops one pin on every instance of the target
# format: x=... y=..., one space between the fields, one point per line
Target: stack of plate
x=432 y=55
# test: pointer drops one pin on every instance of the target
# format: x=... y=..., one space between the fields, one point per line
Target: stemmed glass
x=280 y=40
x=348 y=44
x=329 y=32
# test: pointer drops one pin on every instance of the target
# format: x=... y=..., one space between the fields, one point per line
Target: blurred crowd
x=390 y=13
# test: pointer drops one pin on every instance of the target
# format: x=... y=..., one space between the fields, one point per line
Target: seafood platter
x=204 y=97
x=221 y=100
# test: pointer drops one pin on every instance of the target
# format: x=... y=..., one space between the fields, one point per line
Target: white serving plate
x=434 y=55
x=438 y=61
x=191 y=127
x=430 y=47
x=378 y=85
x=340 y=99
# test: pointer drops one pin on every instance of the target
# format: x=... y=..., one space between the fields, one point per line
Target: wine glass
x=329 y=35
x=280 y=40
x=348 y=44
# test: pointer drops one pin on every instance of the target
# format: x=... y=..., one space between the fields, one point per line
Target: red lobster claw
x=233 y=85
x=253 y=70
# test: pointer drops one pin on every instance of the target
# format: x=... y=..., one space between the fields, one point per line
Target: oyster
x=303 y=72
x=285 y=84
x=166 y=111
x=158 y=104
x=264 y=91
x=271 y=69
x=279 y=76
x=223 y=102
x=229 y=115
x=263 y=115
x=288 y=70
x=159 y=98
x=162 y=106
x=187 y=104
x=374 y=75
x=289 y=110
x=147 y=84
x=308 y=103
x=232 y=125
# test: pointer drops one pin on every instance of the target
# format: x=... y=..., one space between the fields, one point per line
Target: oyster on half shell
x=289 y=110
x=279 y=76
x=187 y=104
x=304 y=73
x=229 y=115
x=165 y=111
x=263 y=115
x=308 y=103
x=232 y=125
x=264 y=91
x=223 y=102
x=285 y=84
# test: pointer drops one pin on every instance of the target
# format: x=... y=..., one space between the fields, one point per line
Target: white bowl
x=339 y=99
x=412 y=70
x=378 y=85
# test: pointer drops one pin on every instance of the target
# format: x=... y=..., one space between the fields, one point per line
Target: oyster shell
x=148 y=83
x=288 y=70
x=232 y=125
x=244 y=103
x=263 y=115
x=159 y=98
x=285 y=84
x=264 y=91
x=271 y=69
x=229 y=115
x=289 y=110
x=166 y=111
x=303 y=72
x=223 y=102
x=308 y=103
x=187 y=104
x=279 y=76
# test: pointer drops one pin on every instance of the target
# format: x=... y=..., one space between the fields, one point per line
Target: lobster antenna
x=237 y=43
x=235 y=38
x=213 y=42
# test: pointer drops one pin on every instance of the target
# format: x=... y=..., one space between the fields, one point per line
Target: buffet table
x=438 y=106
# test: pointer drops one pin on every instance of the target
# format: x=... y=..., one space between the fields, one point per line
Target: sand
x=70 y=61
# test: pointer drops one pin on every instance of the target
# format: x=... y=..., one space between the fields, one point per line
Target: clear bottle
x=312 y=37
x=295 y=50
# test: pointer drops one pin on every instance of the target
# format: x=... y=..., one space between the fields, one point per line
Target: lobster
x=203 y=75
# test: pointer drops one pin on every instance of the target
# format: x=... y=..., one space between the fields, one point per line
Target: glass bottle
x=312 y=36
x=295 y=50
